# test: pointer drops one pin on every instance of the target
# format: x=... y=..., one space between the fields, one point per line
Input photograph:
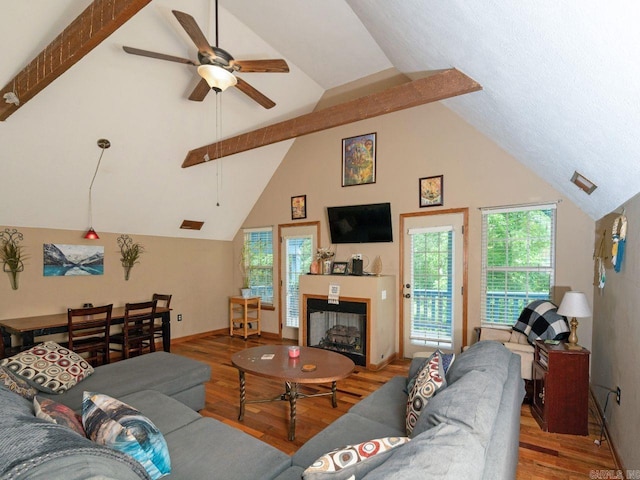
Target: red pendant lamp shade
x=91 y=234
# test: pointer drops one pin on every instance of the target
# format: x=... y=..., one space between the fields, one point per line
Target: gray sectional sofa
x=469 y=429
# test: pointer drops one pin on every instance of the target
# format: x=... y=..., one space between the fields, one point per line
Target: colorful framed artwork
x=298 y=207
x=339 y=268
x=431 y=191
x=72 y=260
x=359 y=160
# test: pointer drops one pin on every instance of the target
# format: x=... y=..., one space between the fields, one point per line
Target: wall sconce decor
x=12 y=255
x=131 y=253
x=91 y=234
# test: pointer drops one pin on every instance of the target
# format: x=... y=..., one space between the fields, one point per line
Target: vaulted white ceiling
x=560 y=93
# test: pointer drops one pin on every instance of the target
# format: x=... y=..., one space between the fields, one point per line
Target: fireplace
x=339 y=327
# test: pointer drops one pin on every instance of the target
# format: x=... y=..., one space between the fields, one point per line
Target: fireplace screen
x=341 y=328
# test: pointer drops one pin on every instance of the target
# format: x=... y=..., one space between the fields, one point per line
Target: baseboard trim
x=612 y=445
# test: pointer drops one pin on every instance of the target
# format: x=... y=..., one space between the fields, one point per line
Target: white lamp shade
x=574 y=304
x=217 y=77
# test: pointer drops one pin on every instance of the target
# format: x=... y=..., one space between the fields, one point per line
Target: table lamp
x=574 y=304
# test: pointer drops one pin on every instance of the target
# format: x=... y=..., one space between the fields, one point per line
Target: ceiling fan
x=216 y=66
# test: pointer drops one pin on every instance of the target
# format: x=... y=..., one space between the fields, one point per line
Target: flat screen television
x=360 y=223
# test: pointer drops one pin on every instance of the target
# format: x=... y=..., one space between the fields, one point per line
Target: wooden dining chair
x=163 y=300
x=88 y=330
x=137 y=330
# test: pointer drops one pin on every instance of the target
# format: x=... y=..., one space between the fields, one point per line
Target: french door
x=433 y=305
x=298 y=244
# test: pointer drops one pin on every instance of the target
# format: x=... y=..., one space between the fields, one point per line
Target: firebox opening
x=340 y=328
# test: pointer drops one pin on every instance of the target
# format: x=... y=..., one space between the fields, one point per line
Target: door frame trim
x=465 y=269
x=280 y=284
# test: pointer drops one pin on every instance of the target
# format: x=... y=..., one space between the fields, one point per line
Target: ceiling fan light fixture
x=217 y=77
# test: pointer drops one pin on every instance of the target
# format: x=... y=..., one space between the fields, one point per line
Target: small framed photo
x=298 y=207
x=431 y=191
x=359 y=160
x=339 y=268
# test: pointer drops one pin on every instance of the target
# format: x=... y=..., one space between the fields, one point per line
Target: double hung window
x=258 y=262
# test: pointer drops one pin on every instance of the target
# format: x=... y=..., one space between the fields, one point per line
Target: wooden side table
x=561 y=389
x=244 y=316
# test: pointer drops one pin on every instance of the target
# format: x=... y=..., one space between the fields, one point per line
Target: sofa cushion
x=470 y=403
x=16 y=384
x=49 y=367
x=35 y=449
x=487 y=356
x=388 y=404
x=446 y=452
x=115 y=424
x=343 y=463
x=349 y=429
x=55 y=412
x=165 y=372
x=429 y=379
x=208 y=448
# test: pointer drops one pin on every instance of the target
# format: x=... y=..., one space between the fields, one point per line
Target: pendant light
x=91 y=234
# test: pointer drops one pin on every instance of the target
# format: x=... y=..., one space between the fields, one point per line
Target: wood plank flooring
x=542 y=455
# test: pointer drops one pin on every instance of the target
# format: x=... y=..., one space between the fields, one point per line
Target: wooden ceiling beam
x=439 y=86
x=87 y=31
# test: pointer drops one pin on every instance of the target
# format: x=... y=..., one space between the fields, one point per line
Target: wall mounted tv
x=360 y=223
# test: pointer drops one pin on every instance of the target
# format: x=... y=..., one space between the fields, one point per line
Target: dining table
x=28 y=328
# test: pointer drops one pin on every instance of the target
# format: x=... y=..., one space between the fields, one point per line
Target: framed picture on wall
x=359 y=160
x=298 y=207
x=431 y=191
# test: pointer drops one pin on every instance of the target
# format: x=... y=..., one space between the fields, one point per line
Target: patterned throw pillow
x=343 y=463
x=16 y=384
x=55 y=412
x=428 y=380
x=447 y=361
x=110 y=422
x=49 y=367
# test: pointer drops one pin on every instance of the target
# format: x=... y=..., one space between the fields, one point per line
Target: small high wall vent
x=191 y=225
x=583 y=183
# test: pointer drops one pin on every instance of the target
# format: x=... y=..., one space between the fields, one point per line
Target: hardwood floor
x=542 y=455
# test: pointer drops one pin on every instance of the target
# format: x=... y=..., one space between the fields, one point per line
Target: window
x=258 y=262
x=518 y=260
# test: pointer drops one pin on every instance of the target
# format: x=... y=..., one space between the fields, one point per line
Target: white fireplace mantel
x=379 y=292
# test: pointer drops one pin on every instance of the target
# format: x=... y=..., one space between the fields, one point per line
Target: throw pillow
x=117 y=425
x=447 y=361
x=55 y=412
x=16 y=384
x=343 y=463
x=429 y=379
x=49 y=367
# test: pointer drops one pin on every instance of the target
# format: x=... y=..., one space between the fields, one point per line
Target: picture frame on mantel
x=431 y=191
x=359 y=160
x=298 y=207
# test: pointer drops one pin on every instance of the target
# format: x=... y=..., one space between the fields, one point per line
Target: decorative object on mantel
x=298 y=207
x=431 y=191
x=12 y=255
x=323 y=257
x=359 y=160
x=574 y=304
x=130 y=252
x=376 y=266
x=91 y=234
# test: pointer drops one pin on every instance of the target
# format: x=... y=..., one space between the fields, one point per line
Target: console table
x=27 y=328
x=561 y=389
x=244 y=312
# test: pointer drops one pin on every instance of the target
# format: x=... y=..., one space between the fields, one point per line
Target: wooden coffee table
x=272 y=361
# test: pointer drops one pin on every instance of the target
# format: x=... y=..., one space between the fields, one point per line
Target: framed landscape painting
x=72 y=260
x=431 y=191
x=359 y=160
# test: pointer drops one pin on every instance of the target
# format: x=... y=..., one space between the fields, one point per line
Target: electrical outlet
x=618 y=393
x=179 y=317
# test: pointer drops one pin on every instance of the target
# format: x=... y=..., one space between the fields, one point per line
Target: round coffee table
x=272 y=361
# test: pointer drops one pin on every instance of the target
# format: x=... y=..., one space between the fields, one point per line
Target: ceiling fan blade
x=200 y=91
x=193 y=30
x=160 y=56
x=276 y=65
x=254 y=94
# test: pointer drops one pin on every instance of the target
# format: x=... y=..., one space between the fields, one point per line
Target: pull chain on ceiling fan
x=216 y=66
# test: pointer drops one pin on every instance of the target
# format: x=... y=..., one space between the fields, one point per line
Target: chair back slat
x=138 y=328
x=88 y=330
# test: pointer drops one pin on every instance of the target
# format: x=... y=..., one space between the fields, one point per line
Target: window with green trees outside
x=518 y=260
